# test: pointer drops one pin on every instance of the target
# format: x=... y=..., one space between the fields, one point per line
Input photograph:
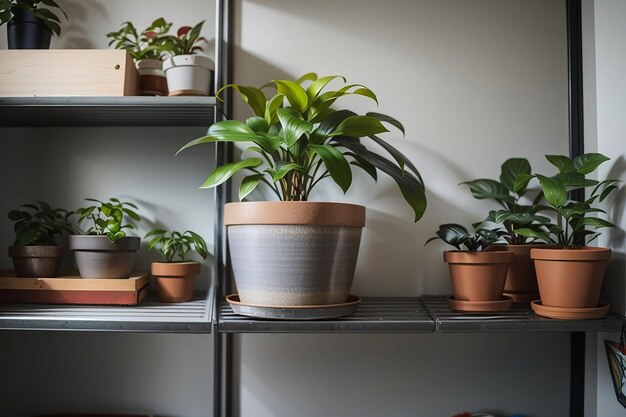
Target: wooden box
x=72 y=290
x=67 y=72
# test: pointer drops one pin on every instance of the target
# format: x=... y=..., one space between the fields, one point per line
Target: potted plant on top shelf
x=30 y=26
x=144 y=50
x=516 y=173
x=188 y=74
x=477 y=275
x=295 y=252
x=175 y=278
x=570 y=276
x=35 y=252
x=104 y=250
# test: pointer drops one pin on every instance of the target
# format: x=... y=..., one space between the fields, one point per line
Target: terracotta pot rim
x=524 y=245
x=587 y=253
x=294 y=213
x=175 y=269
x=485 y=257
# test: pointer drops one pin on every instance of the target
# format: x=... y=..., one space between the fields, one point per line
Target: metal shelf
x=150 y=316
x=106 y=111
x=374 y=315
x=518 y=318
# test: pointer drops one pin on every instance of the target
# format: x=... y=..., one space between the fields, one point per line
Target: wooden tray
x=72 y=289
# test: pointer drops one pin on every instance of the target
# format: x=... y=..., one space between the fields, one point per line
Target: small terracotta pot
x=570 y=278
x=36 y=261
x=175 y=280
x=478 y=276
x=521 y=278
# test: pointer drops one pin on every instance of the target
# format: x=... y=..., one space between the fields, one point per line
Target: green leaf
x=607 y=191
x=359 y=126
x=563 y=163
x=535 y=234
x=248 y=184
x=589 y=162
x=485 y=188
x=328 y=125
x=574 y=180
x=5 y=16
x=296 y=95
x=595 y=222
x=257 y=124
x=132 y=214
x=336 y=163
x=272 y=107
x=554 y=191
x=363 y=164
x=293 y=125
x=155 y=241
x=521 y=183
x=285 y=169
x=251 y=95
x=511 y=169
x=387 y=119
x=310 y=76
x=224 y=172
x=155 y=232
x=399 y=157
x=318 y=85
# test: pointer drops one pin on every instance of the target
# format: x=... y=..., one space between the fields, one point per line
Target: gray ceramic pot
x=293 y=253
x=97 y=257
x=36 y=261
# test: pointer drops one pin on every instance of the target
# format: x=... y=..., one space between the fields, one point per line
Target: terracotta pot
x=293 y=253
x=97 y=257
x=570 y=278
x=175 y=280
x=478 y=276
x=36 y=261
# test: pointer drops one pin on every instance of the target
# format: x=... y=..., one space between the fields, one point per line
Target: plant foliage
x=49 y=18
x=515 y=176
x=176 y=244
x=186 y=42
x=298 y=140
x=458 y=236
x=107 y=218
x=141 y=45
x=39 y=224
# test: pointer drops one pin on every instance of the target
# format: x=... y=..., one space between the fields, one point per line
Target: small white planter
x=152 y=77
x=188 y=75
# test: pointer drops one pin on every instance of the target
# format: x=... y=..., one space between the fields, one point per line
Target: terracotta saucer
x=480 y=306
x=569 y=313
x=522 y=297
x=312 y=312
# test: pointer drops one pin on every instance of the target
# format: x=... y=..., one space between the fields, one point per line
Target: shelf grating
x=150 y=316
x=374 y=315
x=106 y=111
x=519 y=317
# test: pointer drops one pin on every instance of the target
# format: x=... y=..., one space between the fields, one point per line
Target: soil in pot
x=293 y=253
x=188 y=75
x=478 y=276
x=27 y=31
x=152 y=81
x=175 y=280
x=570 y=278
x=97 y=257
x=36 y=261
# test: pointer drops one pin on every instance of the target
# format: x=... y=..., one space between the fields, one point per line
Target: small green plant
x=107 y=218
x=176 y=244
x=186 y=42
x=575 y=226
x=39 y=224
x=51 y=20
x=458 y=236
x=297 y=146
x=141 y=46
x=515 y=176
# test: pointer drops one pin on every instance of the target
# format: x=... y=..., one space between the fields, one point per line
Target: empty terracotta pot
x=36 y=261
x=570 y=278
x=175 y=280
x=478 y=276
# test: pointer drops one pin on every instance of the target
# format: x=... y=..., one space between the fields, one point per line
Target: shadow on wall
x=75 y=32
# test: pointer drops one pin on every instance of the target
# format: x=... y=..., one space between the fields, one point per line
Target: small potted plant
x=570 y=276
x=145 y=50
x=104 y=250
x=176 y=277
x=296 y=252
x=477 y=275
x=188 y=74
x=516 y=173
x=30 y=26
x=35 y=251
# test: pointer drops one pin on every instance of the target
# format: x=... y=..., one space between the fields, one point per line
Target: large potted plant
x=35 y=252
x=30 y=26
x=294 y=252
x=188 y=74
x=509 y=192
x=145 y=49
x=104 y=250
x=176 y=277
x=477 y=275
x=570 y=276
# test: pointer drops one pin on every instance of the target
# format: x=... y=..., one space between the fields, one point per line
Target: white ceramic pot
x=151 y=77
x=188 y=75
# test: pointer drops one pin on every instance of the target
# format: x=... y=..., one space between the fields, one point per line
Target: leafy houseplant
x=146 y=49
x=508 y=192
x=30 y=26
x=477 y=275
x=571 y=275
x=104 y=250
x=299 y=140
x=188 y=74
x=175 y=278
x=35 y=251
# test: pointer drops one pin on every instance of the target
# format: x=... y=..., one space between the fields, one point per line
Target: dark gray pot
x=36 y=261
x=97 y=257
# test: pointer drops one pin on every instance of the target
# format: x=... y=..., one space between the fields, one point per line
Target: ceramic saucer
x=480 y=306
x=570 y=313
x=312 y=312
